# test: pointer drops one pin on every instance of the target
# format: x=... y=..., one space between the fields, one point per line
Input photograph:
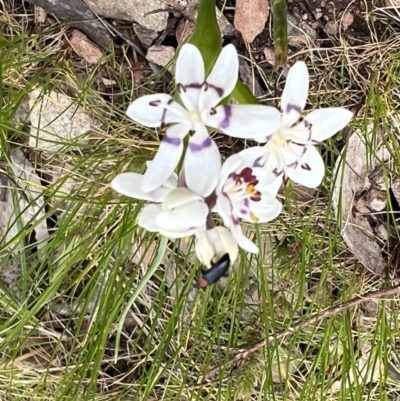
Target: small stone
x=331 y=28
x=146 y=36
x=381 y=232
x=347 y=20
x=108 y=82
x=160 y=55
x=323 y=3
x=84 y=47
x=377 y=200
x=315 y=25
x=304 y=17
x=250 y=18
x=318 y=13
x=40 y=14
x=269 y=55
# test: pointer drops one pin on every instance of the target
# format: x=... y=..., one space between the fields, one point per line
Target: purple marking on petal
x=228 y=114
x=163 y=115
x=235 y=220
x=246 y=202
x=294 y=164
x=257 y=162
x=243 y=212
x=219 y=90
x=194 y=147
x=292 y=106
x=194 y=85
x=172 y=140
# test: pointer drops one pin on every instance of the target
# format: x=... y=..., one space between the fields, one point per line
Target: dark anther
x=275 y=171
x=155 y=103
x=192 y=132
x=181 y=88
x=305 y=166
x=213 y=111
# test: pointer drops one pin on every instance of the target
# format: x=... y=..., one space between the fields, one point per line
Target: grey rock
x=133 y=10
x=160 y=55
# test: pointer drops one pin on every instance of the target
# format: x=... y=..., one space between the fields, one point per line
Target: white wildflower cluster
x=246 y=185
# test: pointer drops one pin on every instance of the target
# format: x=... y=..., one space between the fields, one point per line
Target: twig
x=334 y=310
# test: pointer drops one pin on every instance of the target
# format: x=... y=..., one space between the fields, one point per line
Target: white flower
x=177 y=213
x=214 y=243
x=290 y=149
x=200 y=98
x=247 y=193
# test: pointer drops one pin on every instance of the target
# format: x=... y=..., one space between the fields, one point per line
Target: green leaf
x=279 y=15
x=243 y=94
x=206 y=35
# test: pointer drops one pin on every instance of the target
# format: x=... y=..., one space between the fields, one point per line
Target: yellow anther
x=253 y=217
x=250 y=190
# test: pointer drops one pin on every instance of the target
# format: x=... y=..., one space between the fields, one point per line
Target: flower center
x=243 y=185
x=277 y=141
x=195 y=116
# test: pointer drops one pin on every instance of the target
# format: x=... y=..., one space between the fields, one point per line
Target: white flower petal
x=230 y=165
x=179 y=197
x=243 y=241
x=202 y=163
x=166 y=159
x=189 y=66
x=253 y=156
x=267 y=181
x=170 y=233
x=129 y=184
x=155 y=110
x=327 y=122
x=244 y=120
x=310 y=169
x=294 y=95
x=148 y=216
x=190 y=215
x=172 y=181
x=299 y=133
x=224 y=209
x=266 y=210
x=224 y=242
x=222 y=78
x=291 y=154
x=204 y=249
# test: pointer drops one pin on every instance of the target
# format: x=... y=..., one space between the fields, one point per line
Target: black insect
x=215 y=272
